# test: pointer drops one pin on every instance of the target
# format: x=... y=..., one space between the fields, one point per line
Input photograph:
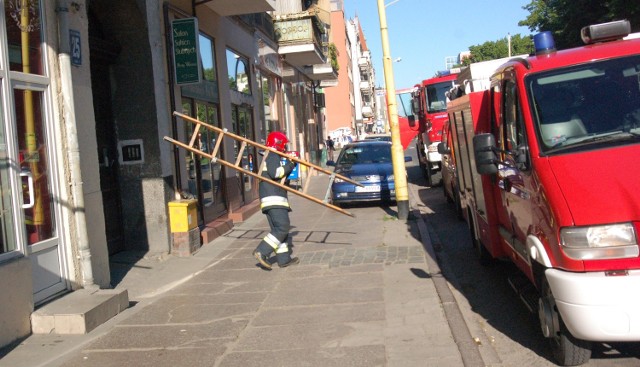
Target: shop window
x=238 y=69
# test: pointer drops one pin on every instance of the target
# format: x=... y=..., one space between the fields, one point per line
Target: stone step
x=79 y=312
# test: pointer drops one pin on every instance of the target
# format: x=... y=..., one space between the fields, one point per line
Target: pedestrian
x=330 y=148
x=275 y=205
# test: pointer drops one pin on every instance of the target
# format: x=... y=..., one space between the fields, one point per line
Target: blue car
x=369 y=163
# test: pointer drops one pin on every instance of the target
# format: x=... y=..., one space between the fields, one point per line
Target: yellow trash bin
x=183 y=215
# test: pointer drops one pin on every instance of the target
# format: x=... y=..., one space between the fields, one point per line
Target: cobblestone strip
x=388 y=255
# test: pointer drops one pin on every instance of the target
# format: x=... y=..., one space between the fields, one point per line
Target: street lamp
x=397 y=153
x=391 y=3
x=397 y=59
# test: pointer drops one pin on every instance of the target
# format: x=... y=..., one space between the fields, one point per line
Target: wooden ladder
x=223 y=133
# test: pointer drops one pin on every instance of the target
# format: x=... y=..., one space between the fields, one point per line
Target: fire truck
x=549 y=179
x=430 y=106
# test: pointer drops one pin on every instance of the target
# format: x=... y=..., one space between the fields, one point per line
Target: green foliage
x=333 y=55
x=565 y=18
x=492 y=50
x=210 y=74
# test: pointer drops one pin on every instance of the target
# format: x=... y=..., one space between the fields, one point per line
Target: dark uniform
x=275 y=205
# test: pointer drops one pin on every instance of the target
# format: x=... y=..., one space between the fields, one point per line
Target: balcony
x=300 y=40
x=364 y=63
x=239 y=7
x=365 y=86
x=329 y=83
x=367 y=111
x=320 y=72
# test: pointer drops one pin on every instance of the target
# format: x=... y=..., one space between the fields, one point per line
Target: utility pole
x=397 y=153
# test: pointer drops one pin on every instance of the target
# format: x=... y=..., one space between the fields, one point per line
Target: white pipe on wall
x=73 y=149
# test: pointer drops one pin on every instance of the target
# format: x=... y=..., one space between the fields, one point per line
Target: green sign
x=186 y=58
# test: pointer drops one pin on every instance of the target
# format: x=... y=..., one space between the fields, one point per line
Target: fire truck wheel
x=456 y=202
x=446 y=195
x=567 y=350
x=484 y=257
x=427 y=175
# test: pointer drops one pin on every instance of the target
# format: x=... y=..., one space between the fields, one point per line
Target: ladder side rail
x=264 y=147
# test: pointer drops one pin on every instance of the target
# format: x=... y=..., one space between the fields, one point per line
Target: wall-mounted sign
x=76 y=47
x=294 y=30
x=186 y=60
x=131 y=151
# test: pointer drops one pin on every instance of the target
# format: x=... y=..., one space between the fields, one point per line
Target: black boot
x=262 y=260
x=292 y=261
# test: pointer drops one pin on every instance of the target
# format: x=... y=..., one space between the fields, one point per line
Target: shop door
x=29 y=151
x=39 y=208
x=242 y=120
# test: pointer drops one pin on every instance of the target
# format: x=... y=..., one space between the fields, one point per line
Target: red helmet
x=277 y=140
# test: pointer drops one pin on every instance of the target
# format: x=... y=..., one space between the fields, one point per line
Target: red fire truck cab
x=430 y=105
x=549 y=178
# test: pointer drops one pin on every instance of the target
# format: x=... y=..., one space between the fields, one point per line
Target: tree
x=492 y=50
x=565 y=18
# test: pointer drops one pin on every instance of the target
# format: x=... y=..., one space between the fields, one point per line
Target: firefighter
x=275 y=205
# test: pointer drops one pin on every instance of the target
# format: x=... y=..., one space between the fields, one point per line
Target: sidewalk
x=362 y=295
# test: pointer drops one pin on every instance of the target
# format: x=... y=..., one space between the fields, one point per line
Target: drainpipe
x=73 y=150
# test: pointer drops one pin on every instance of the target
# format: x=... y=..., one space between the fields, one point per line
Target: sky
x=423 y=32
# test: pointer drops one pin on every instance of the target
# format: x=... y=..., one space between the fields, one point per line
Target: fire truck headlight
x=600 y=242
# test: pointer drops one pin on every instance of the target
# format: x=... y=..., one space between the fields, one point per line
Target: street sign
x=76 y=48
x=184 y=33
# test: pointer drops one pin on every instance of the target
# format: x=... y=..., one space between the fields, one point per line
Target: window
x=404 y=104
x=238 y=69
x=207 y=58
x=436 y=98
x=24 y=23
x=514 y=127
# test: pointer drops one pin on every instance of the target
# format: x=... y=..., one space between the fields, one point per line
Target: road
x=507 y=333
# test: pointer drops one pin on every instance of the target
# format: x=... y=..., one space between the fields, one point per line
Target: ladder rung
x=194 y=136
x=306 y=184
x=240 y=153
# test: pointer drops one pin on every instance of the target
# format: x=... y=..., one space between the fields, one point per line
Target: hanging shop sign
x=184 y=33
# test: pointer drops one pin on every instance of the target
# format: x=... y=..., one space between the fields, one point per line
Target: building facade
x=340 y=100
x=89 y=94
x=363 y=79
x=351 y=103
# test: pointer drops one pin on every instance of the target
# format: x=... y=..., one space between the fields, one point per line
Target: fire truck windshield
x=575 y=104
x=436 y=99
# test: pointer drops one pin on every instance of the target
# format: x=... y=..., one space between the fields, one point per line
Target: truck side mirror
x=483 y=149
x=442 y=149
x=412 y=120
